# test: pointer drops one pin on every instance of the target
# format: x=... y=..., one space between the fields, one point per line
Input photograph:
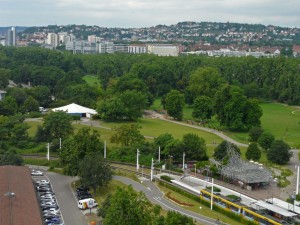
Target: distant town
x=208 y=38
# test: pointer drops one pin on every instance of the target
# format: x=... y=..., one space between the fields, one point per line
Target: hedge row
x=166 y=178
x=177 y=201
x=232 y=215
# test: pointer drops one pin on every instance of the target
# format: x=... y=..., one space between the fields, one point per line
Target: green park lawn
x=91 y=80
x=282 y=121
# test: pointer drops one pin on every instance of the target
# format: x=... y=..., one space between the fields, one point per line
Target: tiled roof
x=23 y=208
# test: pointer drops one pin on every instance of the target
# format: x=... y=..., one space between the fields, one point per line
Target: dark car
x=82 y=188
x=84 y=197
x=49 y=207
x=80 y=193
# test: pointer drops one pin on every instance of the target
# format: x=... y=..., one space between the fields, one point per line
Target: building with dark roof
x=18 y=199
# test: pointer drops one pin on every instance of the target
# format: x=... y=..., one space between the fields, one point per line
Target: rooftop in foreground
x=18 y=200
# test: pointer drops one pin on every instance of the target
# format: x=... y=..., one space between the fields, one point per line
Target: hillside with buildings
x=210 y=38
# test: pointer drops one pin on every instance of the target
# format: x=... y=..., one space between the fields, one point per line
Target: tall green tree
x=279 y=152
x=174 y=104
x=94 y=171
x=74 y=148
x=8 y=106
x=203 y=108
x=265 y=140
x=30 y=105
x=253 y=152
x=58 y=125
x=221 y=153
x=127 y=207
x=194 y=147
x=204 y=81
x=10 y=157
x=235 y=111
x=127 y=135
x=254 y=133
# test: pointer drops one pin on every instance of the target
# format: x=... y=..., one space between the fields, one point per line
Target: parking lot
x=65 y=198
x=47 y=200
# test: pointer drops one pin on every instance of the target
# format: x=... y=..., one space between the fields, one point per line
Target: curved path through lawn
x=213 y=131
x=154 y=114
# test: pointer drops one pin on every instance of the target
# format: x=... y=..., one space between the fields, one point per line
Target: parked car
x=82 y=188
x=47 y=195
x=49 y=207
x=83 y=194
x=52 y=220
x=37 y=173
x=86 y=203
x=50 y=204
x=42 y=182
x=51 y=210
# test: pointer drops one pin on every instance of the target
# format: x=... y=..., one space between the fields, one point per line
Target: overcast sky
x=145 y=13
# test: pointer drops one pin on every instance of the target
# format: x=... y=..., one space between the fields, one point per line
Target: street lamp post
x=159 y=154
x=170 y=163
x=183 y=158
x=48 y=151
x=297 y=184
x=104 y=155
x=137 y=160
x=195 y=169
x=142 y=170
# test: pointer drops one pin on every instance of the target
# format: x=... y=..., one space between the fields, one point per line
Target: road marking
x=197 y=218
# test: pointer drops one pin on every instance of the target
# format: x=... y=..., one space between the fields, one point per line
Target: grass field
x=91 y=80
x=283 y=122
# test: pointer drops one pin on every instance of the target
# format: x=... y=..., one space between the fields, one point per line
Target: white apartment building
x=137 y=49
x=52 y=39
x=123 y=48
x=105 y=47
x=63 y=38
x=163 y=50
x=94 y=39
x=82 y=47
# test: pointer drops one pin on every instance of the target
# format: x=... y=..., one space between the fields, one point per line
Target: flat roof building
x=18 y=199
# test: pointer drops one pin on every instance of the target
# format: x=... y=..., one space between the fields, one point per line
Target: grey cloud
x=141 y=13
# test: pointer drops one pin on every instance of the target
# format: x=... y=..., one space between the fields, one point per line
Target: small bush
x=34 y=115
x=215 y=189
x=166 y=178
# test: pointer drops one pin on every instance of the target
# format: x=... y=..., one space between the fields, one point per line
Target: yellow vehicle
x=238 y=208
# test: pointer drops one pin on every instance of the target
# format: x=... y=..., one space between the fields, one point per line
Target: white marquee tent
x=75 y=109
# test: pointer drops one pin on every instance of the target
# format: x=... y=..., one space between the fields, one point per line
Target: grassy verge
x=199 y=208
x=42 y=162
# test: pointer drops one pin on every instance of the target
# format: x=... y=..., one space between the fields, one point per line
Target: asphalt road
x=73 y=216
x=156 y=197
x=68 y=205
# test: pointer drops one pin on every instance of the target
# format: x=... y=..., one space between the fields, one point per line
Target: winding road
x=156 y=197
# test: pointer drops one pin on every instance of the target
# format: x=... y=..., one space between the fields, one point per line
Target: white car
x=43 y=182
x=37 y=173
x=51 y=211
